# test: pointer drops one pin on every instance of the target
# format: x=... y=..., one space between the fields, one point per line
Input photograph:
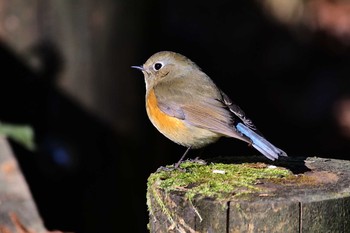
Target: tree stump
x=303 y=195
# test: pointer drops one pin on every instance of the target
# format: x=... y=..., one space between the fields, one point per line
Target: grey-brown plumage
x=189 y=99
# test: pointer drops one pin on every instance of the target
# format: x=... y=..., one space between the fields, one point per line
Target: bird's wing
x=198 y=109
x=235 y=109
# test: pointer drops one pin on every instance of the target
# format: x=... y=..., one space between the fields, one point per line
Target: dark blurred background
x=66 y=72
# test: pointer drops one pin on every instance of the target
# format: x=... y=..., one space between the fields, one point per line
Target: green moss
x=215 y=180
x=22 y=134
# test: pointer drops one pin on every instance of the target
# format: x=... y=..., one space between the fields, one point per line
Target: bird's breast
x=177 y=130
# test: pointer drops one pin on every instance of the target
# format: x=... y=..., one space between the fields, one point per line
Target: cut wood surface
x=315 y=197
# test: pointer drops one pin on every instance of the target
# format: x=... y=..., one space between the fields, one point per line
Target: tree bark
x=18 y=212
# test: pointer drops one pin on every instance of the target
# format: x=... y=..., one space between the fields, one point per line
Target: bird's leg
x=250 y=143
x=183 y=156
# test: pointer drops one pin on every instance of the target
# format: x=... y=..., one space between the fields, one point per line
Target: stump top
x=254 y=178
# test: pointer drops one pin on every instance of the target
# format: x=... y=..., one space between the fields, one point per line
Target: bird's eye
x=157 y=66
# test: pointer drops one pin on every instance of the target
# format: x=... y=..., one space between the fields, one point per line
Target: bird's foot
x=170 y=168
x=198 y=160
x=177 y=166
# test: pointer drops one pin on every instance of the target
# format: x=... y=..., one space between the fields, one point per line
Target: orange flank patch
x=168 y=125
x=175 y=129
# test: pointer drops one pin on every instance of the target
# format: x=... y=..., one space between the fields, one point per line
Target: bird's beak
x=138 y=67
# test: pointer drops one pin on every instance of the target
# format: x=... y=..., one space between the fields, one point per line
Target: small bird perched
x=185 y=105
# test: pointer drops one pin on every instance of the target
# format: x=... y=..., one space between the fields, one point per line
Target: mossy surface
x=216 y=180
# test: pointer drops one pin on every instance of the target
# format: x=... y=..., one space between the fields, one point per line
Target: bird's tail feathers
x=260 y=143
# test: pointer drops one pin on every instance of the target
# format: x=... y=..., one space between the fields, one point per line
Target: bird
x=187 y=107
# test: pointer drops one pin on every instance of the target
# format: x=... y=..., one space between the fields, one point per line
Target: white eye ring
x=158 y=65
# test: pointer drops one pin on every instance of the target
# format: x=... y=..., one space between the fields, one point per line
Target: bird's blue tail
x=260 y=143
